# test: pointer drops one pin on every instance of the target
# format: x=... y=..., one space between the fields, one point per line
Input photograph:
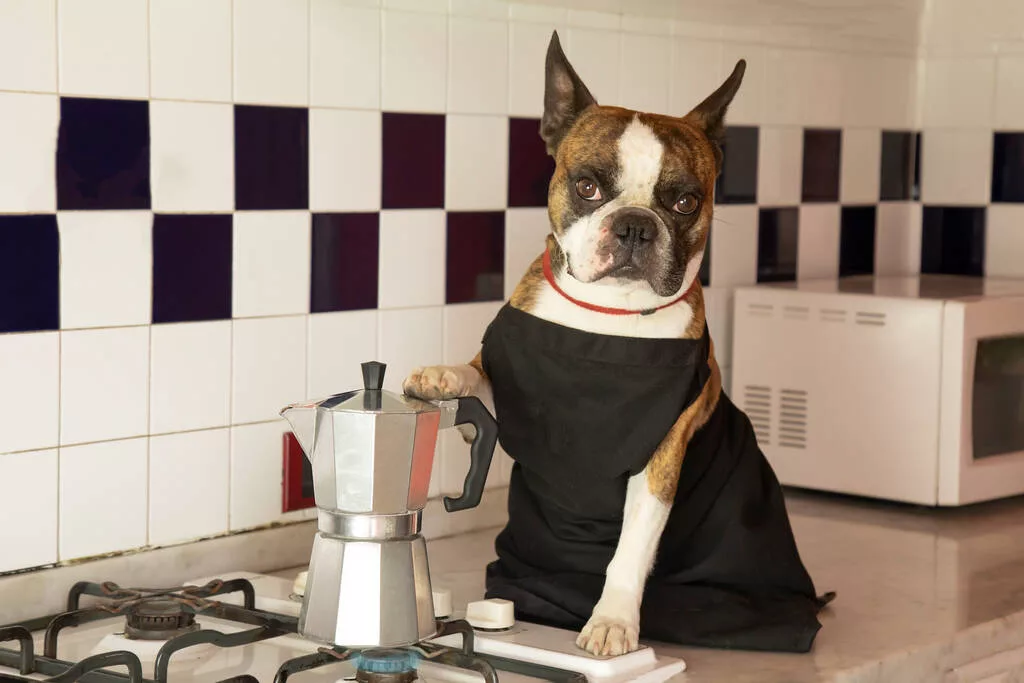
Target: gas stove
x=241 y=628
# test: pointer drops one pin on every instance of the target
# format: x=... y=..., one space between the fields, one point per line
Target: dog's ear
x=710 y=114
x=565 y=96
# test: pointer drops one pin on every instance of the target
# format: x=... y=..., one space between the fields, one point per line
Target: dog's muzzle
x=634 y=226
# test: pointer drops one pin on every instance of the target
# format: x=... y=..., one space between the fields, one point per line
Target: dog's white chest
x=667 y=323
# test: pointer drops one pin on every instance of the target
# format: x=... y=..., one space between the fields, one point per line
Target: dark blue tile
x=822 y=163
x=704 y=274
x=271 y=158
x=413 y=161
x=857 y=241
x=896 y=177
x=475 y=268
x=192 y=260
x=915 y=192
x=29 y=273
x=103 y=154
x=737 y=183
x=345 y=261
x=1008 y=167
x=777 y=233
x=529 y=165
x=953 y=240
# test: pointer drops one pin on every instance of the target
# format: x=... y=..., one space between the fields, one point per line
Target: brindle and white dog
x=630 y=205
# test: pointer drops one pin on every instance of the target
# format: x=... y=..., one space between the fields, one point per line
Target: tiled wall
x=972 y=153
x=210 y=208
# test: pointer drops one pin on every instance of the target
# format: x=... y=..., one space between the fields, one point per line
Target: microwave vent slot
x=833 y=315
x=792 y=424
x=870 y=318
x=760 y=310
x=796 y=312
x=757 y=404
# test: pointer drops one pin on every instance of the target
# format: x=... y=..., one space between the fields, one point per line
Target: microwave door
x=981 y=440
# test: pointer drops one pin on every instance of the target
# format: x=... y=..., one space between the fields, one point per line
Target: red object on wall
x=298 y=477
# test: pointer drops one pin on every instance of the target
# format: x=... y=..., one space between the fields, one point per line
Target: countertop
x=921 y=593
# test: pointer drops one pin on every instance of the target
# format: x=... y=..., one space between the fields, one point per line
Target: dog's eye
x=686 y=204
x=588 y=189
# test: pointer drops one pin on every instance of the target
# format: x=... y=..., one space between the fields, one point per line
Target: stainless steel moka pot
x=371 y=453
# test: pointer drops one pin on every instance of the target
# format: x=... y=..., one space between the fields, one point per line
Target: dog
x=630 y=205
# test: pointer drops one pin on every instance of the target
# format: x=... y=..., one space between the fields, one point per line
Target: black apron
x=579 y=413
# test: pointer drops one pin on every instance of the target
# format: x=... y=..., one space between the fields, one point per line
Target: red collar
x=550 y=277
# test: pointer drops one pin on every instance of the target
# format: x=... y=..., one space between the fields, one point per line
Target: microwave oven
x=899 y=388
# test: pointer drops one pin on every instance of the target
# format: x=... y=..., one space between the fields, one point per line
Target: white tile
x=102 y=498
x=344 y=160
x=639 y=23
x=190 y=376
x=780 y=165
x=480 y=9
x=28 y=46
x=1009 y=104
x=268 y=367
x=595 y=17
x=344 y=57
x=104 y=384
x=412 y=258
x=596 y=55
x=29 y=390
x=338 y=344
x=718 y=306
x=898 y=238
x=190 y=49
x=527 y=48
x=271 y=58
x=538 y=14
x=477 y=66
x=956 y=166
x=408 y=339
x=106 y=268
x=861 y=165
x=104 y=48
x=464 y=326
x=958 y=91
x=803 y=87
x=696 y=72
x=1004 y=241
x=526 y=232
x=432 y=6
x=644 y=77
x=271 y=263
x=415 y=63
x=879 y=90
x=747 y=106
x=192 y=150
x=817 y=253
x=174 y=461
x=734 y=246
x=30 y=496
x=257 y=458
x=28 y=137
x=476 y=162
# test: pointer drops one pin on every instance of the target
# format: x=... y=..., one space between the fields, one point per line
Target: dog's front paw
x=605 y=635
x=438 y=382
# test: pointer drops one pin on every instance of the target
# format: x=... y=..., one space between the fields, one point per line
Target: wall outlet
x=297 y=493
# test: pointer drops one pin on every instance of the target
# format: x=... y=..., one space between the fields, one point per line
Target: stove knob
x=442 y=603
x=491 y=615
x=299 y=587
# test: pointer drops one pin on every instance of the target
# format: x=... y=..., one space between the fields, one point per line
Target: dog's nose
x=633 y=227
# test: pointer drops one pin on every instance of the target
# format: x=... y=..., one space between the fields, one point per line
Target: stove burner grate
x=160 y=619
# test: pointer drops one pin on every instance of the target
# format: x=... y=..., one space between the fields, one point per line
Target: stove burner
x=386 y=666
x=159 y=620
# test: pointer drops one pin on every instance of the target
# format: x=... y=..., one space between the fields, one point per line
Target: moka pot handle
x=471 y=410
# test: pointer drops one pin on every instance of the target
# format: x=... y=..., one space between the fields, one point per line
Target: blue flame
x=387 y=661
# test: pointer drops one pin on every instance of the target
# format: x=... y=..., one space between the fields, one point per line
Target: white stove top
x=208 y=663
